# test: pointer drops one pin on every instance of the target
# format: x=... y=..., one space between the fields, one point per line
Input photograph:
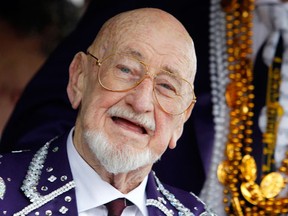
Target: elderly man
x=134 y=91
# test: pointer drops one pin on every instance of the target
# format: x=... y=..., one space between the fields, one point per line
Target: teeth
x=138 y=125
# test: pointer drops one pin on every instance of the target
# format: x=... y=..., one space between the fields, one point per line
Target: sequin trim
x=182 y=210
x=45 y=199
x=159 y=205
x=32 y=177
x=31 y=181
x=2 y=188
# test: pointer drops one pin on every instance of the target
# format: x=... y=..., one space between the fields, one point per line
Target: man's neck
x=124 y=182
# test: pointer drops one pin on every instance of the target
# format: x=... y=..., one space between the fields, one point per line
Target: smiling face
x=131 y=121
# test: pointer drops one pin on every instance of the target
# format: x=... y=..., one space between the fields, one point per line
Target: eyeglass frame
x=99 y=63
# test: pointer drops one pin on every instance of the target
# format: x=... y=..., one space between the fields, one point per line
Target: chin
x=118 y=160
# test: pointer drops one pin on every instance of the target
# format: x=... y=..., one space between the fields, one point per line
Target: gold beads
x=239 y=168
x=238 y=172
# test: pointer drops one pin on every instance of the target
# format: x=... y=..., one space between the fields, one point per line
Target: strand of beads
x=238 y=171
x=239 y=96
x=212 y=189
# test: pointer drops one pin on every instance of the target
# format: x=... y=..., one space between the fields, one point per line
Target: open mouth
x=129 y=125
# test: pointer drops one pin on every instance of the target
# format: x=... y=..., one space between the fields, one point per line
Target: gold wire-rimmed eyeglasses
x=121 y=73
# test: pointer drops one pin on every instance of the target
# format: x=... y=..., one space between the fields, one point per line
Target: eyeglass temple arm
x=97 y=60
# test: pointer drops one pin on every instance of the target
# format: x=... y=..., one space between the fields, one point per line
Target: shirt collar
x=91 y=190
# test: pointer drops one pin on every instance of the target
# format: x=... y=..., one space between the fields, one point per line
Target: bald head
x=161 y=31
x=135 y=89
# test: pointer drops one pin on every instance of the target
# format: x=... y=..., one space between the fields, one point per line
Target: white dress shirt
x=92 y=192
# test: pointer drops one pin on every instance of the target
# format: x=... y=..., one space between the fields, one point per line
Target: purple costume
x=41 y=183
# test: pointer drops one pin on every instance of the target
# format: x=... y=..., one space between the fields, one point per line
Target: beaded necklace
x=239 y=96
x=238 y=172
x=212 y=191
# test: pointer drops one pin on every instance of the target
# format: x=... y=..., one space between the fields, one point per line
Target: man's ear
x=179 y=130
x=76 y=79
x=175 y=136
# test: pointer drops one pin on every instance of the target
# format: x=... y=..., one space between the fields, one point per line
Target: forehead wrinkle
x=118 y=29
x=172 y=69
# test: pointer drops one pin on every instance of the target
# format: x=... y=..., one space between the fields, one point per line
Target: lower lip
x=128 y=126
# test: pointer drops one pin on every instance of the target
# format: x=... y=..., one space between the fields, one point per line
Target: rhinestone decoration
x=2 y=188
x=55 y=149
x=52 y=178
x=68 y=199
x=48 y=213
x=208 y=211
x=161 y=199
x=182 y=210
x=30 y=183
x=49 y=169
x=175 y=202
x=159 y=205
x=63 y=178
x=44 y=188
x=63 y=210
x=45 y=199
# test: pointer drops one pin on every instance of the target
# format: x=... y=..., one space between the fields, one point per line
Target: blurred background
x=29 y=31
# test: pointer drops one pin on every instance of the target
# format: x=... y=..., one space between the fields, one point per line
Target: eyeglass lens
x=121 y=73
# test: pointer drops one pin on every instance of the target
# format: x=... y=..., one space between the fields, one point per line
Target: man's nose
x=141 y=98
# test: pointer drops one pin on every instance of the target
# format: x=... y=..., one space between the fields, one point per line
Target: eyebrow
x=171 y=70
x=134 y=53
x=138 y=55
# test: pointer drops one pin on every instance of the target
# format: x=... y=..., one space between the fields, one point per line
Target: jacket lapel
x=157 y=203
x=166 y=200
x=49 y=172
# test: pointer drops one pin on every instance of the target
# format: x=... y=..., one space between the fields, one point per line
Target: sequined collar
x=31 y=180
